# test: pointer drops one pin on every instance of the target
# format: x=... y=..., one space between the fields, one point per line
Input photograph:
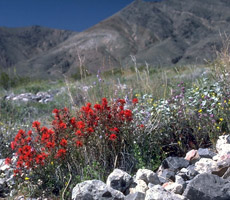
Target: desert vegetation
x=126 y=118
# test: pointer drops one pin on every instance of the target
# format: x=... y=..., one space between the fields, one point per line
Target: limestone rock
x=148 y=176
x=95 y=190
x=135 y=196
x=157 y=192
x=138 y=186
x=223 y=145
x=119 y=180
x=206 y=165
x=173 y=187
x=206 y=153
x=207 y=187
x=174 y=163
x=192 y=156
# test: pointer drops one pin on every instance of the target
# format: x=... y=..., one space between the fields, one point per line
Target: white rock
x=206 y=165
x=148 y=176
x=138 y=186
x=159 y=193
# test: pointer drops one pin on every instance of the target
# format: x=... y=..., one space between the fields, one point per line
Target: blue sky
x=74 y=15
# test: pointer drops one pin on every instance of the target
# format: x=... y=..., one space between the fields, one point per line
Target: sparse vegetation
x=176 y=109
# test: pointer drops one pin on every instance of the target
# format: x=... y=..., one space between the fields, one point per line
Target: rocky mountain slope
x=161 y=33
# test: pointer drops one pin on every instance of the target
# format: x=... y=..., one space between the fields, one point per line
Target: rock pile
x=6 y=179
x=41 y=97
x=202 y=174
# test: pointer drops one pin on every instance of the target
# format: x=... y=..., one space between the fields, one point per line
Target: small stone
x=206 y=153
x=173 y=187
x=138 y=186
x=148 y=176
x=166 y=175
x=135 y=196
x=159 y=193
x=95 y=190
x=192 y=156
x=223 y=145
x=206 y=165
x=119 y=180
x=174 y=163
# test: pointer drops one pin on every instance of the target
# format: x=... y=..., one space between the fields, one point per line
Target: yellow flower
x=199 y=128
x=219 y=104
x=150 y=100
x=221 y=119
x=225 y=101
x=137 y=95
x=155 y=105
x=52 y=163
x=202 y=96
x=27 y=178
x=200 y=111
x=218 y=127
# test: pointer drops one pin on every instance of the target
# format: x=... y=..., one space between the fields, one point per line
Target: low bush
x=98 y=137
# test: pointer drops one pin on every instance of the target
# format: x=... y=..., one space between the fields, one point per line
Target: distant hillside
x=161 y=33
x=22 y=44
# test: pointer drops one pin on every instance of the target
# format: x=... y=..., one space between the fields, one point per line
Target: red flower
x=142 y=126
x=55 y=111
x=97 y=106
x=80 y=124
x=135 y=100
x=36 y=124
x=63 y=142
x=19 y=164
x=13 y=144
x=45 y=137
x=73 y=121
x=88 y=105
x=19 y=136
x=40 y=158
x=8 y=161
x=104 y=102
x=122 y=101
x=79 y=143
x=50 y=145
x=29 y=139
x=29 y=133
x=113 y=137
x=78 y=133
x=62 y=125
x=50 y=132
x=128 y=114
x=61 y=153
x=66 y=110
x=26 y=149
x=115 y=129
x=90 y=130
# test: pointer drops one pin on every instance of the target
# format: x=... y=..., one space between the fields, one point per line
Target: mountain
x=162 y=33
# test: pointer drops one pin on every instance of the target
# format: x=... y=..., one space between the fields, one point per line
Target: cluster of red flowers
x=35 y=147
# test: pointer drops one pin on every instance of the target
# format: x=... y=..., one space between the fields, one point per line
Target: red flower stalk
x=8 y=161
x=79 y=143
x=61 y=153
x=36 y=125
x=63 y=142
x=113 y=137
x=135 y=101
